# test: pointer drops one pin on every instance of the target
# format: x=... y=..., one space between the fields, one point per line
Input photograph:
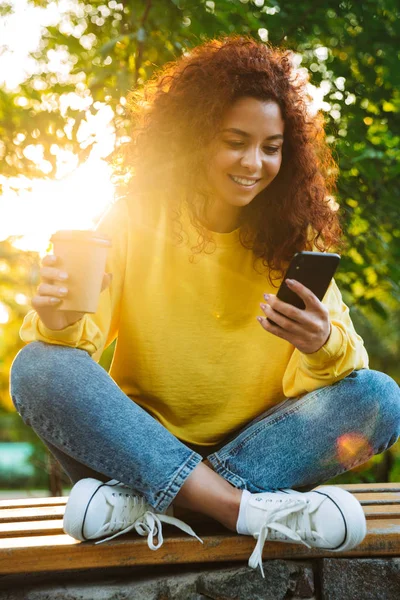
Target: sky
x=20 y=33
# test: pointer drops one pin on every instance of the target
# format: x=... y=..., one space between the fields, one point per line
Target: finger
x=279 y=319
x=309 y=298
x=45 y=302
x=290 y=311
x=49 y=259
x=59 y=291
x=48 y=295
x=274 y=329
x=53 y=274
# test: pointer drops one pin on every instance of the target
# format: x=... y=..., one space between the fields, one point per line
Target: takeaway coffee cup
x=82 y=254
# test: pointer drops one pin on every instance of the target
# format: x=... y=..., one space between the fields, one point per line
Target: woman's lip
x=243 y=185
x=244 y=177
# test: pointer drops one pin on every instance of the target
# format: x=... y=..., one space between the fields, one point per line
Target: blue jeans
x=95 y=430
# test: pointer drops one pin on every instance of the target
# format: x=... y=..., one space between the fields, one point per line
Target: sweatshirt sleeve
x=94 y=332
x=342 y=353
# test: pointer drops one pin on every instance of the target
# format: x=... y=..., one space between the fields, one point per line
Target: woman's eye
x=267 y=149
x=272 y=149
x=234 y=144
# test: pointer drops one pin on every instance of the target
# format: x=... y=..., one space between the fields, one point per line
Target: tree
x=349 y=48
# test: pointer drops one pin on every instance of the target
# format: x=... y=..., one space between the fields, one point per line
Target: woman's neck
x=222 y=219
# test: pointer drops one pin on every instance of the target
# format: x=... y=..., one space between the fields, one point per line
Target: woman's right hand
x=50 y=292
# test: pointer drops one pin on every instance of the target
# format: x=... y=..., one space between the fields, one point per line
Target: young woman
x=208 y=405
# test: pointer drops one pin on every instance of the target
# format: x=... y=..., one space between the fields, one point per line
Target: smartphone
x=314 y=270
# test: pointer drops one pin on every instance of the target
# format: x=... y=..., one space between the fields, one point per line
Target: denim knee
x=35 y=368
x=379 y=394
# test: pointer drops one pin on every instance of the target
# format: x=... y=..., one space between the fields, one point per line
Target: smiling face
x=245 y=157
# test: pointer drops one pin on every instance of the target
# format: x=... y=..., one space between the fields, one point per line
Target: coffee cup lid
x=88 y=236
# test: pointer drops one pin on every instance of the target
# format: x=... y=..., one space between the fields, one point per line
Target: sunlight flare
x=352 y=446
x=74 y=202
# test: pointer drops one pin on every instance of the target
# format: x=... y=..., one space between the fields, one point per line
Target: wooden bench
x=32 y=539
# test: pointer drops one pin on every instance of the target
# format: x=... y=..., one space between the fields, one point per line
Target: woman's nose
x=252 y=160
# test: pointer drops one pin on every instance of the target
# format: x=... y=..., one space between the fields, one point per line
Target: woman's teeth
x=243 y=181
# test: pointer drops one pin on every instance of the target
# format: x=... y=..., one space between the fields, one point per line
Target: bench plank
x=378 y=504
x=32 y=538
x=382 y=511
x=378 y=497
x=21 y=554
x=13 y=515
x=22 y=502
x=31 y=528
x=45 y=527
x=56 y=526
x=371 y=487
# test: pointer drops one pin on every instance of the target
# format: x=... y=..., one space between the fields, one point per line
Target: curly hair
x=178 y=112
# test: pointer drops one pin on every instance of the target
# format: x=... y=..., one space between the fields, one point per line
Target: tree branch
x=140 y=45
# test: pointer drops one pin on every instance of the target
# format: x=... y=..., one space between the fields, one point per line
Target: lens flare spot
x=352 y=446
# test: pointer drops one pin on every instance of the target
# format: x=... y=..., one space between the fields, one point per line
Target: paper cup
x=83 y=255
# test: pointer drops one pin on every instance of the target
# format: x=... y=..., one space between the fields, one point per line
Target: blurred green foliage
x=350 y=50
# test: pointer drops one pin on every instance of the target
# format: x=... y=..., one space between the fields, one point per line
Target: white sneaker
x=96 y=509
x=327 y=517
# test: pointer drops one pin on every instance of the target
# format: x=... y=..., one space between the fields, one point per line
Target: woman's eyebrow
x=278 y=136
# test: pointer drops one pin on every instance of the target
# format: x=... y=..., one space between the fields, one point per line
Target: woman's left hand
x=307 y=329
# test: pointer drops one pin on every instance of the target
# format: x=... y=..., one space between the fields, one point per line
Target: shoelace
x=151 y=523
x=125 y=508
x=284 y=523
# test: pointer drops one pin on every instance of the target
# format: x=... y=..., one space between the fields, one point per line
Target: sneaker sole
x=76 y=507
x=353 y=515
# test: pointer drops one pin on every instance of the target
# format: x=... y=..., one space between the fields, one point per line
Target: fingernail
x=63 y=276
x=290 y=281
x=266 y=296
x=259 y=319
x=55 y=300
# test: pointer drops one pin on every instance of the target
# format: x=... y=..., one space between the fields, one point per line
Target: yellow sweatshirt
x=190 y=350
